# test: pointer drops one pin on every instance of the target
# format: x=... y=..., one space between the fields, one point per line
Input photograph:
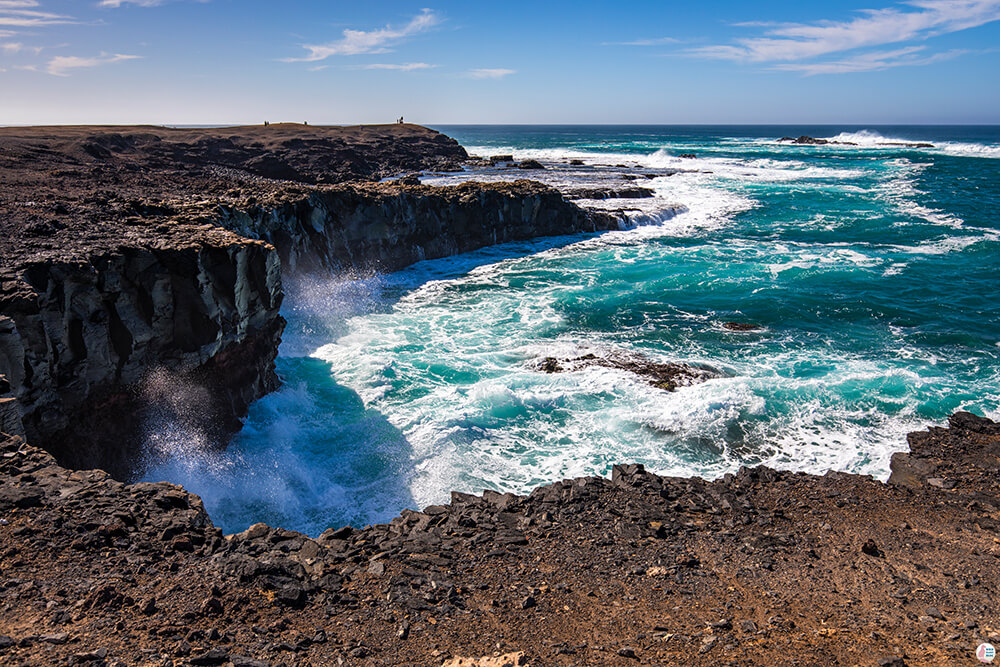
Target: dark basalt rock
x=610 y=193
x=812 y=141
x=741 y=326
x=669 y=547
x=530 y=164
x=662 y=376
x=167 y=257
x=500 y=159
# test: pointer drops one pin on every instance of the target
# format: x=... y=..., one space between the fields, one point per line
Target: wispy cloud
x=113 y=4
x=358 y=42
x=657 y=41
x=798 y=43
x=119 y=3
x=489 y=73
x=868 y=62
x=403 y=67
x=26 y=14
x=65 y=65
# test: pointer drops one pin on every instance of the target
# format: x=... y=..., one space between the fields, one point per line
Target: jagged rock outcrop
x=386 y=226
x=630 y=192
x=78 y=339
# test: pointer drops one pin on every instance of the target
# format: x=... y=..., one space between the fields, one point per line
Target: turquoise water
x=872 y=271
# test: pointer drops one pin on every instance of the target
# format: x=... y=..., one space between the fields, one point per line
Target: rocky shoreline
x=762 y=567
x=132 y=259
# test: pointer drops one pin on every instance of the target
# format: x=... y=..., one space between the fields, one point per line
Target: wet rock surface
x=610 y=193
x=812 y=141
x=666 y=376
x=760 y=567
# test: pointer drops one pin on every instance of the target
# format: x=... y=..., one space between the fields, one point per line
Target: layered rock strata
x=760 y=567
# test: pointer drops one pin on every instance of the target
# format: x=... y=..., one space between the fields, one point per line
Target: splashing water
x=870 y=270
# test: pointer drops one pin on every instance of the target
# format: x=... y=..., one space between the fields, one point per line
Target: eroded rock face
x=79 y=339
x=384 y=227
x=10 y=416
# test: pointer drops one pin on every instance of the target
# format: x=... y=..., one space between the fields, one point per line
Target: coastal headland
x=135 y=257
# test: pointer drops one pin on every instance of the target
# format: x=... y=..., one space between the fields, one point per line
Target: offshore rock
x=666 y=376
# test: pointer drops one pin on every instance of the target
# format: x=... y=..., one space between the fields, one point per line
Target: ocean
x=872 y=271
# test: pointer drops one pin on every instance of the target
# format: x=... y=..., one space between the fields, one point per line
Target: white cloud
x=867 y=62
x=404 y=67
x=27 y=18
x=64 y=65
x=919 y=21
x=357 y=42
x=487 y=73
x=25 y=14
x=119 y=3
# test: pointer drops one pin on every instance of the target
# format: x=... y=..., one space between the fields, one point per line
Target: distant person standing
x=400 y=121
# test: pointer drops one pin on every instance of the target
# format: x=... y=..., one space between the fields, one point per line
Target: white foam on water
x=822 y=257
x=900 y=190
x=449 y=359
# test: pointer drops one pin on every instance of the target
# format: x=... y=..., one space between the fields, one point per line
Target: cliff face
x=10 y=416
x=79 y=339
x=390 y=225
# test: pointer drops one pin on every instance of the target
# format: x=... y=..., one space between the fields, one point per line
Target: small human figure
x=400 y=120
x=266 y=123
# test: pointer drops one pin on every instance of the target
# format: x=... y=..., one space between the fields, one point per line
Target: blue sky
x=233 y=61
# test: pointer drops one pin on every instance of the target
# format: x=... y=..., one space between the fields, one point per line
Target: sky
x=648 y=62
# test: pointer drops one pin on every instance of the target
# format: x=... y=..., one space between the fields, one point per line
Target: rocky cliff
x=79 y=339
x=386 y=226
x=140 y=268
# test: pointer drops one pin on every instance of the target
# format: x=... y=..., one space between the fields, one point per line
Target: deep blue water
x=872 y=271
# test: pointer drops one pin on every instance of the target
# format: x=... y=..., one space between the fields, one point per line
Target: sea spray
x=869 y=273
